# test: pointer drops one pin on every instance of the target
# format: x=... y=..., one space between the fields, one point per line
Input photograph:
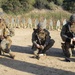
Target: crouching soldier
x=41 y=40
x=68 y=37
x=5 y=40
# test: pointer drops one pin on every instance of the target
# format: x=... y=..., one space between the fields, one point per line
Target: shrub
x=12 y=6
x=59 y=2
x=40 y=4
x=69 y=5
x=51 y=6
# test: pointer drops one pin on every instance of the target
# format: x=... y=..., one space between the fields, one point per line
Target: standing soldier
x=51 y=25
x=45 y=23
x=36 y=22
x=58 y=25
x=41 y=40
x=5 y=40
x=12 y=22
x=64 y=21
x=29 y=23
x=17 y=22
x=68 y=36
x=23 y=22
x=7 y=21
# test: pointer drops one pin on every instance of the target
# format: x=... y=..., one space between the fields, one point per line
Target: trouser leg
x=35 y=51
x=5 y=45
x=68 y=52
x=48 y=46
x=72 y=46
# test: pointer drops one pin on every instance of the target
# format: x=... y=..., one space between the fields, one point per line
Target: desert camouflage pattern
x=5 y=40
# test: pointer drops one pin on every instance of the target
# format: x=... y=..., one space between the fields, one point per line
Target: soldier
x=23 y=22
x=36 y=22
x=12 y=22
x=58 y=25
x=5 y=41
x=67 y=35
x=29 y=23
x=51 y=25
x=17 y=20
x=41 y=40
x=64 y=21
x=7 y=21
x=45 y=22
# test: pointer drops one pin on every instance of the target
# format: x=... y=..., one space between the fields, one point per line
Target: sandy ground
x=23 y=64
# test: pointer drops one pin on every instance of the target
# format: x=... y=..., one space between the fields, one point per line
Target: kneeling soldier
x=5 y=40
x=68 y=35
x=41 y=40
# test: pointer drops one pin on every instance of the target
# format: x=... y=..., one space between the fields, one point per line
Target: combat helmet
x=72 y=18
x=40 y=25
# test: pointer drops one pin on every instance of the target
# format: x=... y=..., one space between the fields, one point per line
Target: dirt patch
x=23 y=64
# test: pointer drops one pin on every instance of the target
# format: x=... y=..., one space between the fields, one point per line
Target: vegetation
x=22 y=6
x=69 y=5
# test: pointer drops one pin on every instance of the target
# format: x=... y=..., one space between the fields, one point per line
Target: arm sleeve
x=63 y=31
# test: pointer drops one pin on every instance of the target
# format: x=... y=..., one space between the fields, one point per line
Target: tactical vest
x=41 y=37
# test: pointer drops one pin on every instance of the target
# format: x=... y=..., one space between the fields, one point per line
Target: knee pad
x=4 y=46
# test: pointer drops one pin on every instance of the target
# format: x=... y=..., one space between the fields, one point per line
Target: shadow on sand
x=55 y=52
x=51 y=52
x=33 y=68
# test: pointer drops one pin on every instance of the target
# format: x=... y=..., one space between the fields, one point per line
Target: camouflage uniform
x=67 y=33
x=5 y=41
x=42 y=38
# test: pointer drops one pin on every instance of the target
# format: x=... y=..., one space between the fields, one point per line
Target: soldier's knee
x=51 y=43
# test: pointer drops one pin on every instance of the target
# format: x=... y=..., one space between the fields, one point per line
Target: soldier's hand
x=42 y=47
x=38 y=46
x=73 y=39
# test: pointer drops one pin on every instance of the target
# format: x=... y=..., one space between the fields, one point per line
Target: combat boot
x=67 y=59
x=12 y=55
x=36 y=52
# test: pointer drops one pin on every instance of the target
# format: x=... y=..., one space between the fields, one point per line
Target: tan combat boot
x=11 y=55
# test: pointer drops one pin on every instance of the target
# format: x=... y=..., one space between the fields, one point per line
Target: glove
x=42 y=47
x=37 y=45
